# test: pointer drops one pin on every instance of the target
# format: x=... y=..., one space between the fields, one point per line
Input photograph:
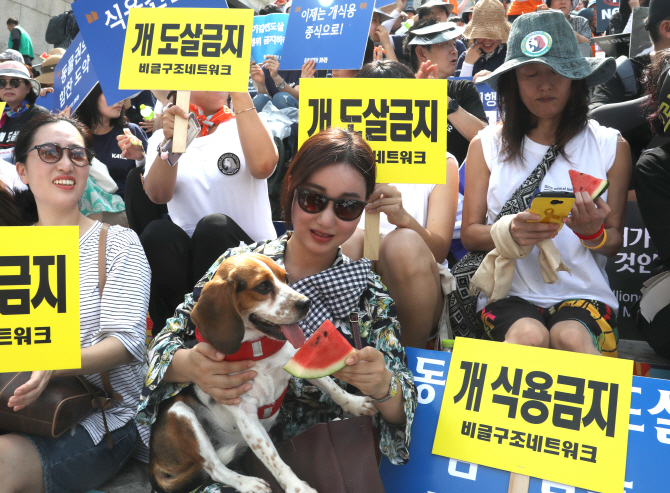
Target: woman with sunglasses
x=53 y=156
x=325 y=191
x=19 y=91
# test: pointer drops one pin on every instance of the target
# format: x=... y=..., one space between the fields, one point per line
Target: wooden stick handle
x=518 y=483
x=371 y=244
x=180 y=124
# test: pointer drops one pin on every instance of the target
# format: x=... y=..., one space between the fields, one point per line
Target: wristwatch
x=393 y=390
x=453 y=106
x=282 y=85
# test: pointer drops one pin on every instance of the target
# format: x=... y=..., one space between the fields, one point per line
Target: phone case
x=552 y=207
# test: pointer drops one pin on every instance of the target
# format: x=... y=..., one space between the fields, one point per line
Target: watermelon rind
x=297 y=370
x=600 y=190
x=308 y=360
x=582 y=182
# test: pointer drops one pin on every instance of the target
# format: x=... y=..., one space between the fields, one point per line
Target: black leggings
x=178 y=262
x=140 y=210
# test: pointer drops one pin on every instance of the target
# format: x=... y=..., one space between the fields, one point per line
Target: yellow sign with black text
x=403 y=120
x=39 y=298
x=543 y=413
x=187 y=49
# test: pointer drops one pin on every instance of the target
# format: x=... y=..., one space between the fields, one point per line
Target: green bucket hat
x=546 y=37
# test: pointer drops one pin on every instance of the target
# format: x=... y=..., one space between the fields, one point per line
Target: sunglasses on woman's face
x=14 y=83
x=313 y=202
x=52 y=153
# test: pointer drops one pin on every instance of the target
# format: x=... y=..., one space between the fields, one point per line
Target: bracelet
x=592 y=237
x=601 y=243
x=248 y=109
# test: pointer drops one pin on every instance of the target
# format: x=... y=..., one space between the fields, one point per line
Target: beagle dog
x=246 y=311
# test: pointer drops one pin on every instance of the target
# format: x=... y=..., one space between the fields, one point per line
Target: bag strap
x=355 y=330
x=106 y=383
x=520 y=199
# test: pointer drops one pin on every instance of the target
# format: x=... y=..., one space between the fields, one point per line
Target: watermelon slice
x=581 y=182
x=324 y=353
x=133 y=140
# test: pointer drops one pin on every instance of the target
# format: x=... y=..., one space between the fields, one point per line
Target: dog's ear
x=216 y=315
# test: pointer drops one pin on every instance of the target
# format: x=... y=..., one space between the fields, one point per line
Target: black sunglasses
x=313 y=202
x=12 y=83
x=52 y=153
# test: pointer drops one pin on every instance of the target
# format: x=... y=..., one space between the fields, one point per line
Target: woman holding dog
x=53 y=155
x=325 y=191
x=543 y=96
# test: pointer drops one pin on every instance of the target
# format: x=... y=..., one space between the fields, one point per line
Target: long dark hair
x=10 y=213
x=651 y=78
x=89 y=115
x=517 y=119
x=330 y=146
x=26 y=137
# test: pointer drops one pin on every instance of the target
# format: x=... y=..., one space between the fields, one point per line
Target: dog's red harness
x=255 y=351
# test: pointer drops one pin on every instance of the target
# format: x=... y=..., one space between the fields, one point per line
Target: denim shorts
x=72 y=463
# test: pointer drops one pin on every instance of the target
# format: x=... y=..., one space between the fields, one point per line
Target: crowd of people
x=467 y=258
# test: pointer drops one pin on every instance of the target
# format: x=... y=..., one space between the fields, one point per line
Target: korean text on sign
x=334 y=35
x=550 y=414
x=404 y=121
x=39 y=298
x=176 y=49
x=74 y=77
x=269 y=32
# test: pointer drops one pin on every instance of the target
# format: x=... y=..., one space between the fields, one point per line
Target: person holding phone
x=216 y=193
x=545 y=133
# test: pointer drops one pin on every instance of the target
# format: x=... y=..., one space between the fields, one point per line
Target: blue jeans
x=72 y=463
x=281 y=100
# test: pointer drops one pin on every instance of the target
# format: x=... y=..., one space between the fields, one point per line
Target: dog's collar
x=251 y=350
x=271 y=409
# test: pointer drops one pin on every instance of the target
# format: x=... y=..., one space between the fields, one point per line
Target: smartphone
x=552 y=207
x=192 y=132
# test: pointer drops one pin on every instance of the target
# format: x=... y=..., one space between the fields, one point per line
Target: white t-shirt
x=213 y=177
x=592 y=151
x=121 y=314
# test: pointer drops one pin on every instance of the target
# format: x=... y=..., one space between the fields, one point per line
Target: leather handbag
x=335 y=457
x=66 y=400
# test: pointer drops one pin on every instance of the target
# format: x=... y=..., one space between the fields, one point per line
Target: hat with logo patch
x=546 y=37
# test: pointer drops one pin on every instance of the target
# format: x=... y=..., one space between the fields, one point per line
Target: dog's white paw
x=253 y=485
x=299 y=487
x=359 y=405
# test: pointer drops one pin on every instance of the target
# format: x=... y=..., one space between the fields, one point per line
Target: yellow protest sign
x=39 y=298
x=544 y=413
x=2 y=107
x=403 y=120
x=173 y=49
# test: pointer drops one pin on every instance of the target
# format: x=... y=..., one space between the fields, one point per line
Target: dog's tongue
x=294 y=335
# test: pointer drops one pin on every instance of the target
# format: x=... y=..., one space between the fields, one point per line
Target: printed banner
x=47 y=101
x=403 y=120
x=74 y=77
x=630 y=268
x=173 y=49
x=615 y=45
x=648 y=442
x=39 y=298
x=268 y=36
x=550 y=414
x=334 y=36
x=604 y=11
x=489 y=99
x=103 y=25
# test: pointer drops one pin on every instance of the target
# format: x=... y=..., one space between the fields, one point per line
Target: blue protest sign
x=489 y=99
x=74 y=76
x=103 y=25
x=47 y=101
x=648 y=441
x=335 y=36
x=268 y=36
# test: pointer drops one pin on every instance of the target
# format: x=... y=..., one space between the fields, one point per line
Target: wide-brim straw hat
x=488 y=22
x=49 y=69
x=546 y=37
x=18 y=70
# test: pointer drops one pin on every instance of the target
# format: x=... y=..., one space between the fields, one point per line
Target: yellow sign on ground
x=544 y=413
x=39 y=298
x=403 y=120
x=187 y=49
